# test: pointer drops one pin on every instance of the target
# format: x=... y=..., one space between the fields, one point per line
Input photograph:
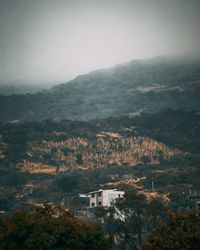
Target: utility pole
x=152 y=186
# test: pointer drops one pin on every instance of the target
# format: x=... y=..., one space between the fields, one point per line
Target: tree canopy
x=181 y=231
x=47 y=228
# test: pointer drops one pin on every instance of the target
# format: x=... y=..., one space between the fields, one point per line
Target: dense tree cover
x=131 y=218
x=49 y=228
x=150 y=85
x=57 y=154
x=180 y=232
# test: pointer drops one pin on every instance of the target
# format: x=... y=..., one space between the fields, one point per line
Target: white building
x=104 y=198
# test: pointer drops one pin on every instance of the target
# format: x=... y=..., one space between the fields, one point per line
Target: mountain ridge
x=138 y=86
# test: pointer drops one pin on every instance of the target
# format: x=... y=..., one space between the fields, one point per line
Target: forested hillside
x=49 y=160
x=129 y=89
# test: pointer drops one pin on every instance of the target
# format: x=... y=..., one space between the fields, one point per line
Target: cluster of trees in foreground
x=55 y=229
x=180 y=232
x=49 y=228
x=144 y=223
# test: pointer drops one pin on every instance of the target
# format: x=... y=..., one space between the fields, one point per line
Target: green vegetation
x=141 y=135
x=132 y=218
x=54 y=161
x=181 y=231
x=49 y=228
x=139 y=86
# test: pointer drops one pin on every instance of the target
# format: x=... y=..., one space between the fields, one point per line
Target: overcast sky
x=52 y=41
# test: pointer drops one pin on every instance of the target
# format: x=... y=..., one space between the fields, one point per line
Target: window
x=99 y=194
x=93 y=195
x=92 y=204
x=100 y=203
x=119 y=196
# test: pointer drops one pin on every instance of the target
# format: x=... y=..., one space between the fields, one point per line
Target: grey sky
x=52 y=41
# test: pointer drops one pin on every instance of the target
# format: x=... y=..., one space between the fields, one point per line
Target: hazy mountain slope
x=141 y=85
x=20 y=89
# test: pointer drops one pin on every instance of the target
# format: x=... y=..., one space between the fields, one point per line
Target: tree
x=131 y=217
x=180 y=232
x=48 y=228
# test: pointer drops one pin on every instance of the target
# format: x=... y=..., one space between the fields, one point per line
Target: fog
x=51 y=41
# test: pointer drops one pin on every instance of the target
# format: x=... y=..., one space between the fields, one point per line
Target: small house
x=105 y=198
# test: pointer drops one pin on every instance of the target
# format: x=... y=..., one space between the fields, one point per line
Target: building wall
x=96 y=199
x=104 y=197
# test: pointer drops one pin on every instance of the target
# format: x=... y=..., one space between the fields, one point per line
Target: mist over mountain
x=99 y=95
x=129 y=89
x=20 y=89
x=139 y=131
